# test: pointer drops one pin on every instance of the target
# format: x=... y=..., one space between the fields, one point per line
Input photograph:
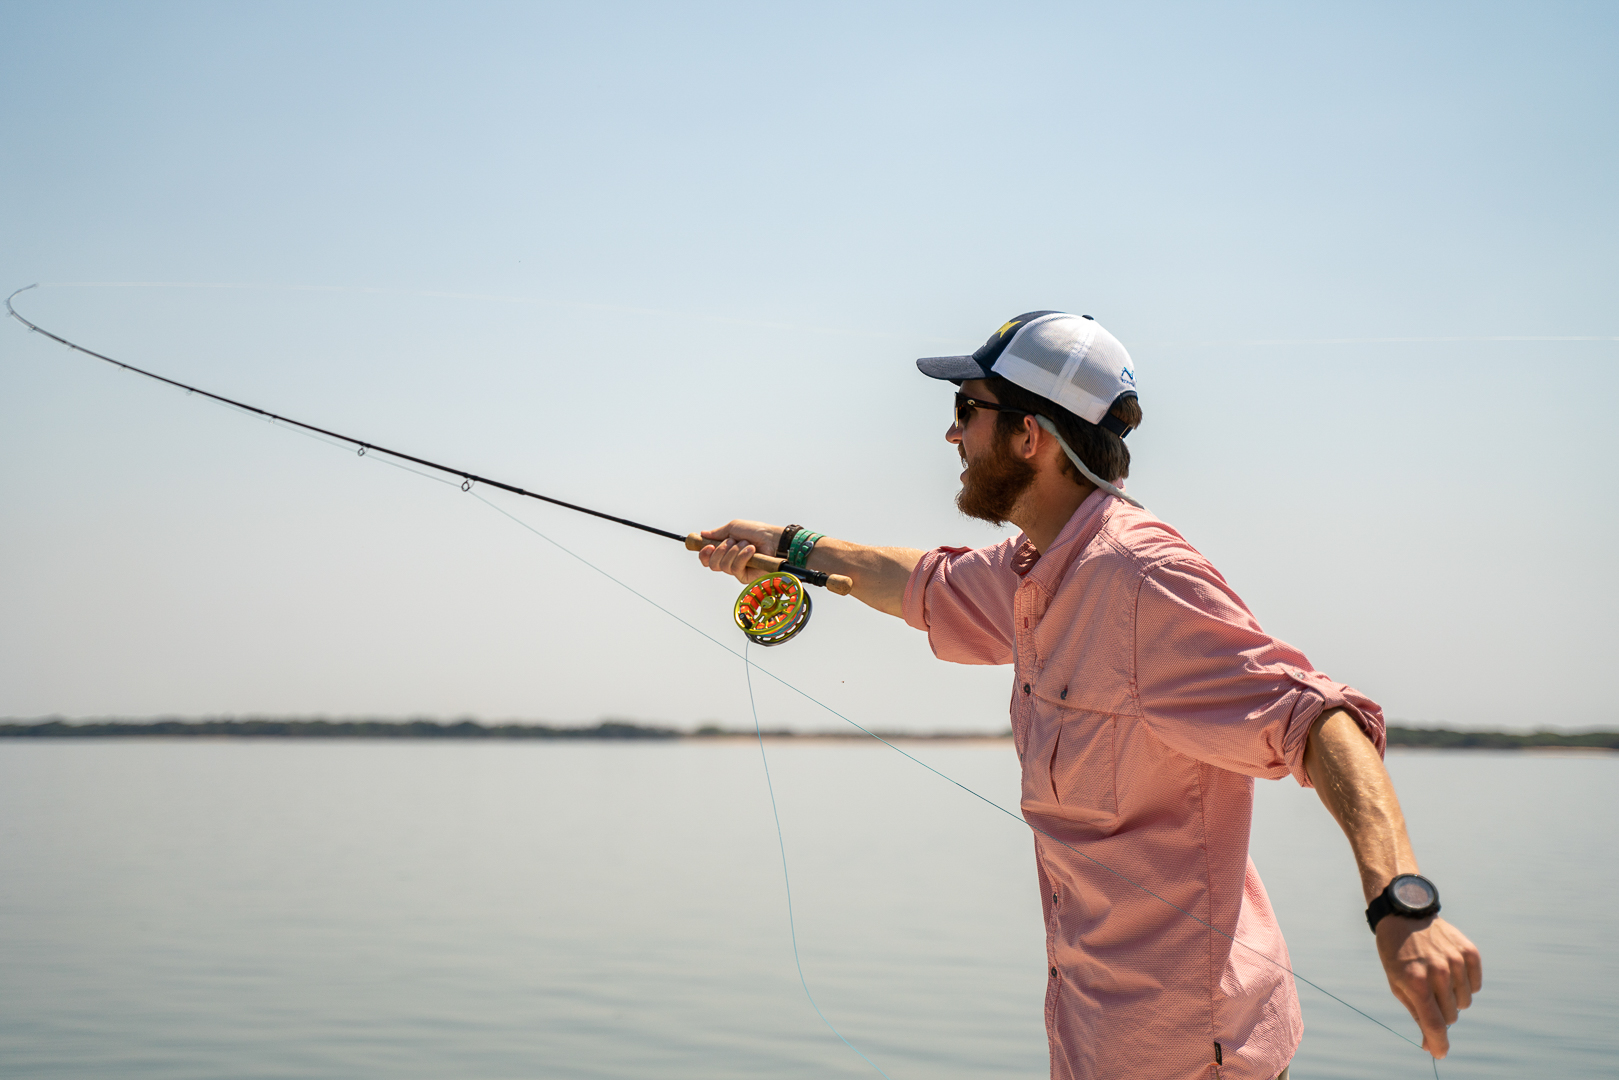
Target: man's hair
x=1103 y=452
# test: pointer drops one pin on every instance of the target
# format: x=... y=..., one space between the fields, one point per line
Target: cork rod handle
x=837 y=583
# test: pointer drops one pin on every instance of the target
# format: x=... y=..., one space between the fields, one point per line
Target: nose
x=952 y=434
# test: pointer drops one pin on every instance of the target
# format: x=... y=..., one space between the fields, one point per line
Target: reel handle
x=832 y=582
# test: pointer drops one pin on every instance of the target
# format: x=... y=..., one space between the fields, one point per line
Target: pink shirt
x=1146 y=699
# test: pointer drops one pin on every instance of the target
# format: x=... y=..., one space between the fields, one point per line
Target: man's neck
x=1048 y=506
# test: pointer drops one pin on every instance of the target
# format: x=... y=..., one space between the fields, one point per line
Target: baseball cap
x=1068 y=359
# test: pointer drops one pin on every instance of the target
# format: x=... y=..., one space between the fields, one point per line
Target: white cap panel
x=1071 y=360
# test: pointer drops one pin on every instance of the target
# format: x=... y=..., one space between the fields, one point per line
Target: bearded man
x=1146 y=699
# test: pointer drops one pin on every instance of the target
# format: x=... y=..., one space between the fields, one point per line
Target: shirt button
x=1025 y=688
x=1053 y=973
x=1053 y=898
x=1064 y=694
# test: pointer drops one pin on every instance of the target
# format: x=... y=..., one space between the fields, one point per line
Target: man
x=1145 y=700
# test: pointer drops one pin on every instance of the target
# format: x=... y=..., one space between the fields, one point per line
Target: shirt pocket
x=1082 y=764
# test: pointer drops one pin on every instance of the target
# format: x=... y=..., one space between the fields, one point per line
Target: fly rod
x=771 y=610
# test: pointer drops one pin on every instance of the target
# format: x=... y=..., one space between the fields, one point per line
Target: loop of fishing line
x=752 y=666
x=778 y=613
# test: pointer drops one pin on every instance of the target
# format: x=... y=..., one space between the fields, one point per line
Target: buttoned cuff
x=1315 y=695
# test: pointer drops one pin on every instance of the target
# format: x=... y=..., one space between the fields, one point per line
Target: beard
x=994 y=483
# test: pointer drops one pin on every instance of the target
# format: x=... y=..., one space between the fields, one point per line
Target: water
x=200 y=909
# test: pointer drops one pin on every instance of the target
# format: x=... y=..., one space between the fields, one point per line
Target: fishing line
x=500 y=298
x=748 y=669
x=792 y=926
x=693 y=542
x=361 y=445
x=752 y=666
x=762 y=324
x=323 y=440
x=468 y=479
x=1384 y=340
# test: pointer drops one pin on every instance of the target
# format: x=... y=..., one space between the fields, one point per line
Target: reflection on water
x=201 y=909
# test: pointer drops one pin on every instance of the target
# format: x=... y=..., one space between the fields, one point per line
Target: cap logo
x=1002 y=331
x=1129 y=376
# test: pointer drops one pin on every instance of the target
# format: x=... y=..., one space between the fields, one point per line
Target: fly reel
x=773 y=608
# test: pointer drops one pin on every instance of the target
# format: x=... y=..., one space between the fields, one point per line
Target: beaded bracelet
x=785 y=544
x=802 y=545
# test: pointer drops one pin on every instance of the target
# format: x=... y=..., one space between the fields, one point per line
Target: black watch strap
x=1378 y=908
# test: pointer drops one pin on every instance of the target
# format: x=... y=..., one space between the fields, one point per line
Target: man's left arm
x=1432 y=968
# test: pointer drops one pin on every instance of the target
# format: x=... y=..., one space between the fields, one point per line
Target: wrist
x=803 y=542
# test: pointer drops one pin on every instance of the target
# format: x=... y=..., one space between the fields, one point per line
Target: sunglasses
x=965 y=406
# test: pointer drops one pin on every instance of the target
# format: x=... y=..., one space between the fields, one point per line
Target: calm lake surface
x=190 y=908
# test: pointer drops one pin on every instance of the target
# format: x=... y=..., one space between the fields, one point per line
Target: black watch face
x=1413 y=893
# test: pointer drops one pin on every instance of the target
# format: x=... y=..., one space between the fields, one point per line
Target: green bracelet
x=803 y=544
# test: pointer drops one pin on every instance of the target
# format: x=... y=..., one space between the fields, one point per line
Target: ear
x=1027 y=445
x=1040 y=443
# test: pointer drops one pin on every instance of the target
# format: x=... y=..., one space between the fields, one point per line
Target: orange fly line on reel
x=773 y=608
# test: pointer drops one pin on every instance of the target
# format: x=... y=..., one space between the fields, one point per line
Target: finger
x=734 y=561
x=1460 y=984
x=1427 y=1019
x=1427 y=1014
x=714 y=558
x=744 y=555
x=1475 y=967
x=1469 y=962
x=1444 y=989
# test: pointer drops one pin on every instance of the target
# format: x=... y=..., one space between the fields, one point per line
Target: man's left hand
x=1433 y=969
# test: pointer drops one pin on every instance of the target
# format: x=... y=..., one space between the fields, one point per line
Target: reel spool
x=773 y=608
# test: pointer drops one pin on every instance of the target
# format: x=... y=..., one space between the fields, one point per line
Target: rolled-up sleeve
x=1215 y=687
x=962 y=598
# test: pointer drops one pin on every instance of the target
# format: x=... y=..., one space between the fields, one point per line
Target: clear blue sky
x=676 y=261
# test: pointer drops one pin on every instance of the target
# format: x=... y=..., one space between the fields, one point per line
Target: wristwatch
x=1410 y=895
x=785 y=544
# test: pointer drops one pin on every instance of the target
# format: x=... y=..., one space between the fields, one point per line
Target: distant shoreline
x=624 y=730
x=265 y=728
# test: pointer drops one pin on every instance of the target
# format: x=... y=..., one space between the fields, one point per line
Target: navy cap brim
x=958 y=369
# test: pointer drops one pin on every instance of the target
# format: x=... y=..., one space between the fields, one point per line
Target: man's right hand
x=735 y=543
x=879 y=574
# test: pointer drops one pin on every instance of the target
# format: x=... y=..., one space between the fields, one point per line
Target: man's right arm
x=879 y=573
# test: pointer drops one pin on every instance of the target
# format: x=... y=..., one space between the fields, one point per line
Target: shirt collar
x=1048 y=569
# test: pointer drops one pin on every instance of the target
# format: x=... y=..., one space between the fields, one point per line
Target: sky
x=676 y=262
